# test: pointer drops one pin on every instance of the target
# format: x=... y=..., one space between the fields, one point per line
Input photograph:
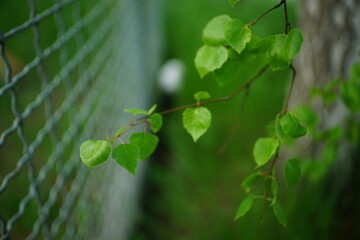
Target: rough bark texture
x=331 y=31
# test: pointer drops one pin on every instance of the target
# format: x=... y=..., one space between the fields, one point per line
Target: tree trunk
x=331 y=31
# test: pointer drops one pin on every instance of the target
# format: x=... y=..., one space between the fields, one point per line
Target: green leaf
x=201 y=96
x=284 y=48
x=120 y=130
x=210 y=58
x=244 y=206
x=279 y=214
x=264 y=150
x=227 y=73
x=214 y=31
x=250 y=182
x=94 y=152
x=196 y=121
x=152 y=109
x=350 y=95
x=291 y=126
x=136 y=111
x=156 y=122
x=147 y=143
x=233 y=2
x=292 y=172
x=126 y=155
x=237 y=34
x=293 y=44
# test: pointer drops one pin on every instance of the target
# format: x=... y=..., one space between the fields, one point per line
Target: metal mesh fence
x=68 y=68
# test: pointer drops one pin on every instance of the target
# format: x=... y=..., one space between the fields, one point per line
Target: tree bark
x=331 y=31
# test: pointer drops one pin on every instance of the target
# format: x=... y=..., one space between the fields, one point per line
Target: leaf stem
x=221 y=99
x=267 y=191
x=268 y=11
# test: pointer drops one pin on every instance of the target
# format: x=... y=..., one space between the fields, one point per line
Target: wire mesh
x=67 y=72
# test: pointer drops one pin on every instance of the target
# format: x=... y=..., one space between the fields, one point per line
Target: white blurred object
x=171 y=76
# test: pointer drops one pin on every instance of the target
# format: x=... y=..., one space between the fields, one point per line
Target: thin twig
x=197 y=104
x=291 y=86
x=265 y=13
x=221 y=99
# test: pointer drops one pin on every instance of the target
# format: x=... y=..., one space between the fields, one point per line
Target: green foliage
x=214 y=31
x=94 y=152
x=155 y=122
x=291 y=127
x=210 y=58
x=284 y=48
x=147 y=143
x=223 y=31
x=264 y=150
x=350 y=95
x=126 y=155
x=233 y=2
x=136 y=111
x=152 y=109
x=279 y=214
x=307 y=116
x=196 y=121
x=229 y=45
x=244 y=206
x=250 y=181
x=292 y=172
x=121 y=129
x=201 y=96
x=237 y=34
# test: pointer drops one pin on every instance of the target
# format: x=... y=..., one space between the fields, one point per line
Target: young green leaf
x=292 y=172
x=201 y=96
x=210 y=58
x=94 y=152
x=155 y=122
x=279 y=214
x=264 y=150
x=126 y=155
x=147 y=143
x=214 y=31
x=237 y=34
x=291 y=126
x=244 y=206
x=152 y=109
x=250 y=181
x=120 y=130
x=196 y=121
x=227 y=73
x=284 y=48
x=136 y=111
x=293 y=44
x=233 y=2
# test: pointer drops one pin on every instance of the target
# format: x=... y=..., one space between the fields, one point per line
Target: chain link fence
x=68 y=69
